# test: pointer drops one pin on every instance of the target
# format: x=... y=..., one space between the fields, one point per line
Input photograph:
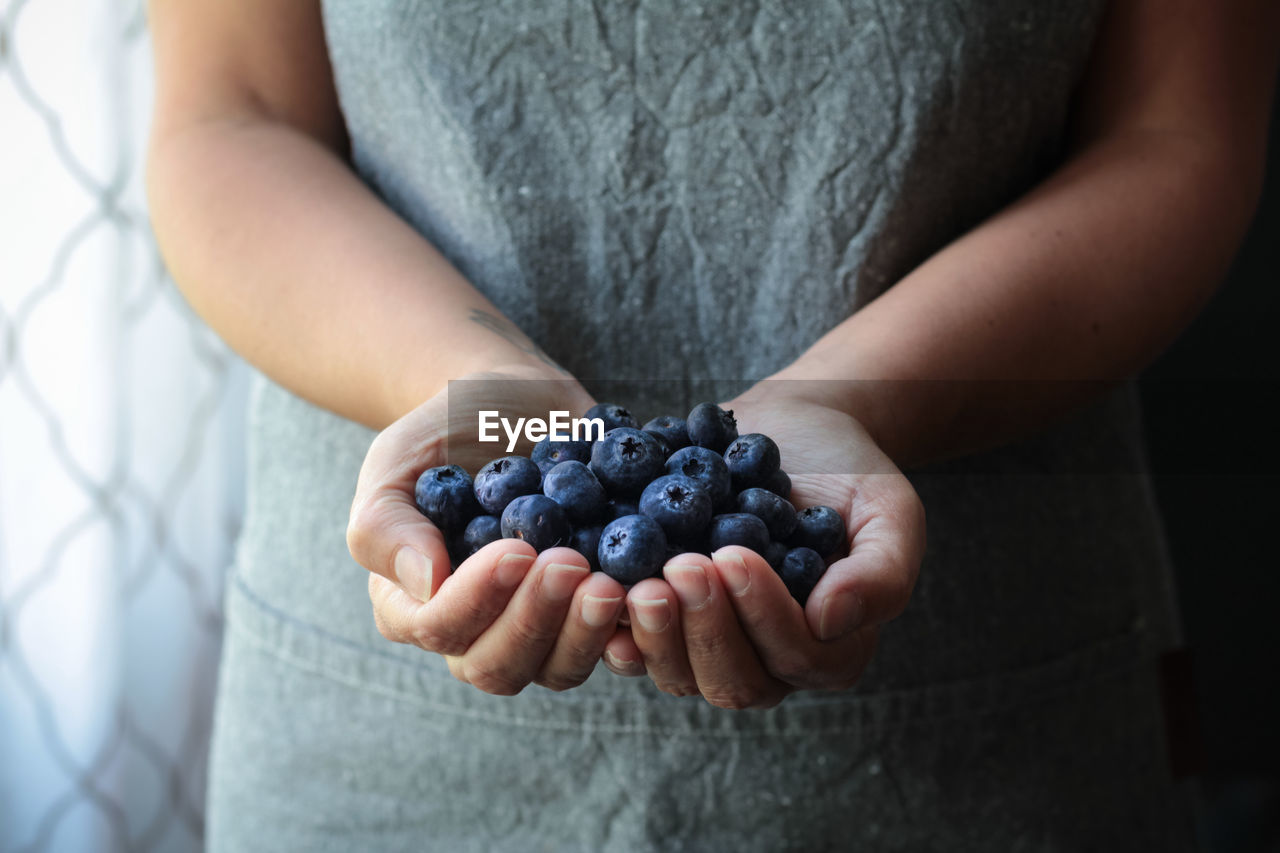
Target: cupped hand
x=725 y=626
x=507 y=616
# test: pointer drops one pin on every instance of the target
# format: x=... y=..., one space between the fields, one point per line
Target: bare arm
x=276 y=242
x=1091 y=275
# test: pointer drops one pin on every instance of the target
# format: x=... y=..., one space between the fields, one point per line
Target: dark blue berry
x=661 y=440
x=503 y=480
x=706 y=467
x=632 y=548
x=752 y=459
x=679 y=503
x=738 y=528
x=586 y=541
x=456 y=547
x=779 y=484
x=537 y=520
x=774 y=554
x=482 y=530
x=613 y=415
x=572 y=485
x=777 y=513
x=617 y=508
x=547 y=454
x=446 y=495
x=672 y=429
x=711 y=427
x=820 y=528
x=625 y=460
x=801 y=570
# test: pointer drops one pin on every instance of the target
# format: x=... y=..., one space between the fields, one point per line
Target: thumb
x=389 y=536
x=386 y=532
x=874 y=583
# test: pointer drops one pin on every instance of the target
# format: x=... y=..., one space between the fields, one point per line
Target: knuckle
x=361 y=527
x=679 y=688
x=526 y=633
x=489 y=679
x=733 y=698
x=562 y=681
x=384 y=629
x=795 y=667
x=709 y=645
x=430 y=638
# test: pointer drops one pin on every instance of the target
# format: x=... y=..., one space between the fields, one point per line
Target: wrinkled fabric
x=630 y=182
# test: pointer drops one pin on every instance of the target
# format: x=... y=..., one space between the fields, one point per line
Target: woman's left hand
x=725 y=626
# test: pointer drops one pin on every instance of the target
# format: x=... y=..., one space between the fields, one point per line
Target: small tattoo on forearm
x=508 y=331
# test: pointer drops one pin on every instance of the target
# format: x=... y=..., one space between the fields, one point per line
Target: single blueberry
x=738 y=528
x=706 y=467
x=537 y=520
x=613 y=415
x=672 y=429
x=456 y=547
x=446 y=495
x=801 y=570
x=774 y=554
x=632 y=548
x=572 y=485
x=503 y=480
x=547 y=454
x=711 y=427
x=777 y=513
x=482 y=530
x=679 y=503
x=820 y=528
x=661 y=440
x=586 y=541
x=780 y=484
x=617 y=508
x=625 y=460
x=752 y=459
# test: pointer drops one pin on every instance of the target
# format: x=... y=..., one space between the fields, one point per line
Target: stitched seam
x=984 y=706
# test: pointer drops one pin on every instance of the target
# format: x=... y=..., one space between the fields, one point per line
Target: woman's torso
x=695 y=191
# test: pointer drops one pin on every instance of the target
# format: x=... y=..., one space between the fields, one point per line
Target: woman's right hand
x=506 y=616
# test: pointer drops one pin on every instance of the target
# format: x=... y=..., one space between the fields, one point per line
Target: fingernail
x=841 y=613
x=653 y=614
x=560 y=580
x=512 y=568
x=598 y=612
x=690 y=583
x=620 y=666
x=413 y=572
x=734 y=572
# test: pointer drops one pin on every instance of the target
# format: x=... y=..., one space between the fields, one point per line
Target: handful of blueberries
x=638 y=496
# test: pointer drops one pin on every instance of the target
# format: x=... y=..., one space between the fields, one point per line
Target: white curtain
x=121 y=458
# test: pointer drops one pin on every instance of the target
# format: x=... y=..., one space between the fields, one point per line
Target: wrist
x=408 y=387
x=899 y=415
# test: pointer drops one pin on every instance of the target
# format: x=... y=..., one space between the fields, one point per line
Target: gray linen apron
x=765 y=169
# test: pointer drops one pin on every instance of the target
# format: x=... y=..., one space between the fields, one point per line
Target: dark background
x=1210 y=402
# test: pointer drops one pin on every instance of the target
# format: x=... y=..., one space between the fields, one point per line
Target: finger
x=592 y=620
x=386 y=533
x=509 y=655
x=394 y=610
x=474 y=597
x=874 y=583
x=655 y=628
x=622 y=656
x=776 y=626
x=727 y=669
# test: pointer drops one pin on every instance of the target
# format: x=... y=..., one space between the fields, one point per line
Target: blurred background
x=121 y=456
